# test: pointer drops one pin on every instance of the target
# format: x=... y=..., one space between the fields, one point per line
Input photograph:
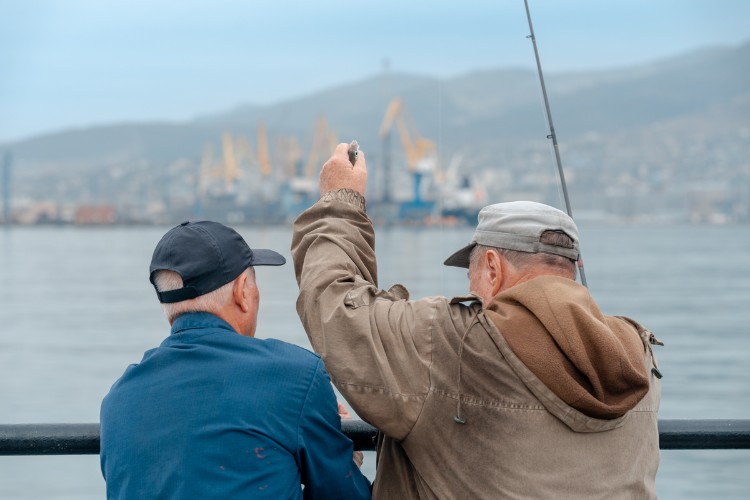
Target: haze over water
x=76 y=308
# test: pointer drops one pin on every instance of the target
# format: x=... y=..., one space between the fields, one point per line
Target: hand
x=357 y=456
x=339 y=173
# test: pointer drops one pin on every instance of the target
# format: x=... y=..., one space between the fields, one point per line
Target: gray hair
x=211 y=302
x=526 y=260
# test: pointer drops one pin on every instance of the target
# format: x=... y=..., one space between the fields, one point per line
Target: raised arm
x=375 y=344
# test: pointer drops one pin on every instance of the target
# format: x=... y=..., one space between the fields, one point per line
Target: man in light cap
x=521 y=389
x=214 y=412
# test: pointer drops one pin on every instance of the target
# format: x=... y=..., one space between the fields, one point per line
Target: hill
x=605 y=120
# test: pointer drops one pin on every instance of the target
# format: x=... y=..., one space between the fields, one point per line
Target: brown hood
x=593 y=362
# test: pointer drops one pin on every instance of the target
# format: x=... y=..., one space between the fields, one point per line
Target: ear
x=239 y=293
x=495 y=268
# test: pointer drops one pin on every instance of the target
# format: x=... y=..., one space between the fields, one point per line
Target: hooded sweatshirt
x=539 y=395
x=591 y=361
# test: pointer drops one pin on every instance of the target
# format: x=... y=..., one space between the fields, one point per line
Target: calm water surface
x=76 y=308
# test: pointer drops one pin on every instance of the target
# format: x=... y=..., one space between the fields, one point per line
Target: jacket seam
x=378 y=389
x=490 y=403
x=304 y=404
x=433 y=309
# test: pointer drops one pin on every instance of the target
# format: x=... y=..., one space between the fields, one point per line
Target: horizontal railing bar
x=49 y=439
x=710 y=434
x=83 y=439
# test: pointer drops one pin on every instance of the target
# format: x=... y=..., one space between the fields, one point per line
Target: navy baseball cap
x=207 y=255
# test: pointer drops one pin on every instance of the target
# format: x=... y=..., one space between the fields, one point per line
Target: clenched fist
x=339 y=173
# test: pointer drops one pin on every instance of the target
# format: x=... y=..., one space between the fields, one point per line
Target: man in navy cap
x=214 y=412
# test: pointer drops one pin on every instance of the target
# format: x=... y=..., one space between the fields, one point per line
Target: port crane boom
x=421 y=155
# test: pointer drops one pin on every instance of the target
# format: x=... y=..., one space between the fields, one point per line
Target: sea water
x=76 y=308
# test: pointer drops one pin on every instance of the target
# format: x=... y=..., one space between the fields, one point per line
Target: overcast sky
x=72 y=63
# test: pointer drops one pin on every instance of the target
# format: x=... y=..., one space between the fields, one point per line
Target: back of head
x=527 y=233
x=194 y=264
x=211 y=302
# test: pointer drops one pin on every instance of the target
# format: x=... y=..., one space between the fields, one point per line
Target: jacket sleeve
x=376 y=344
x=324 y=452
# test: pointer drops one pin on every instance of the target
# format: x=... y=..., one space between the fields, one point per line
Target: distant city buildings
x=666 y=179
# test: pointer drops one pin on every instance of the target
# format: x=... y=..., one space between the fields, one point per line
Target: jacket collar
x=198 y=320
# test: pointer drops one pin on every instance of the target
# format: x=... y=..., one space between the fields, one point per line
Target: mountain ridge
x=478 y=106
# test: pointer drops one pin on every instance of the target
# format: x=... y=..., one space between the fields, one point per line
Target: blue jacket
x=212 y=414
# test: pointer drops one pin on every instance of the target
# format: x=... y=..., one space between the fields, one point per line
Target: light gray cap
x=518 y=225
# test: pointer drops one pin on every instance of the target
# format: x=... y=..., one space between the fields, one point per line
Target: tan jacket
x=417 y=369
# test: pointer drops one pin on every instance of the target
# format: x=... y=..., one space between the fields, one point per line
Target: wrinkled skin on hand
x=339 y=173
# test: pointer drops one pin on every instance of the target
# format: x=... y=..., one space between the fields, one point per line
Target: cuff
x=347 y=196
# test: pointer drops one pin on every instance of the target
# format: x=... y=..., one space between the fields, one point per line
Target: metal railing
x=83 y=439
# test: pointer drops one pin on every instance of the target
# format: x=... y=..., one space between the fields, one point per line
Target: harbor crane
x=233 y=153
x=323 y=143
x=303 y=184
x=421 y=153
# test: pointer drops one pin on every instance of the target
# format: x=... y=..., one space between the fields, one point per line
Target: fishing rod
x=552 y=135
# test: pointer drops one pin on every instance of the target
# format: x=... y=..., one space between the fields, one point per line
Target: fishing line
x=552 y=134
x=438 y=178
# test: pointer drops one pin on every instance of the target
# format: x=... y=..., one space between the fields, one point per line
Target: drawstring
x=458 y=418
x=648 y=339
x=652 y=340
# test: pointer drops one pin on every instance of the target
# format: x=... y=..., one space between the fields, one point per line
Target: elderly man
x=214 y=412
x=521 y=389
